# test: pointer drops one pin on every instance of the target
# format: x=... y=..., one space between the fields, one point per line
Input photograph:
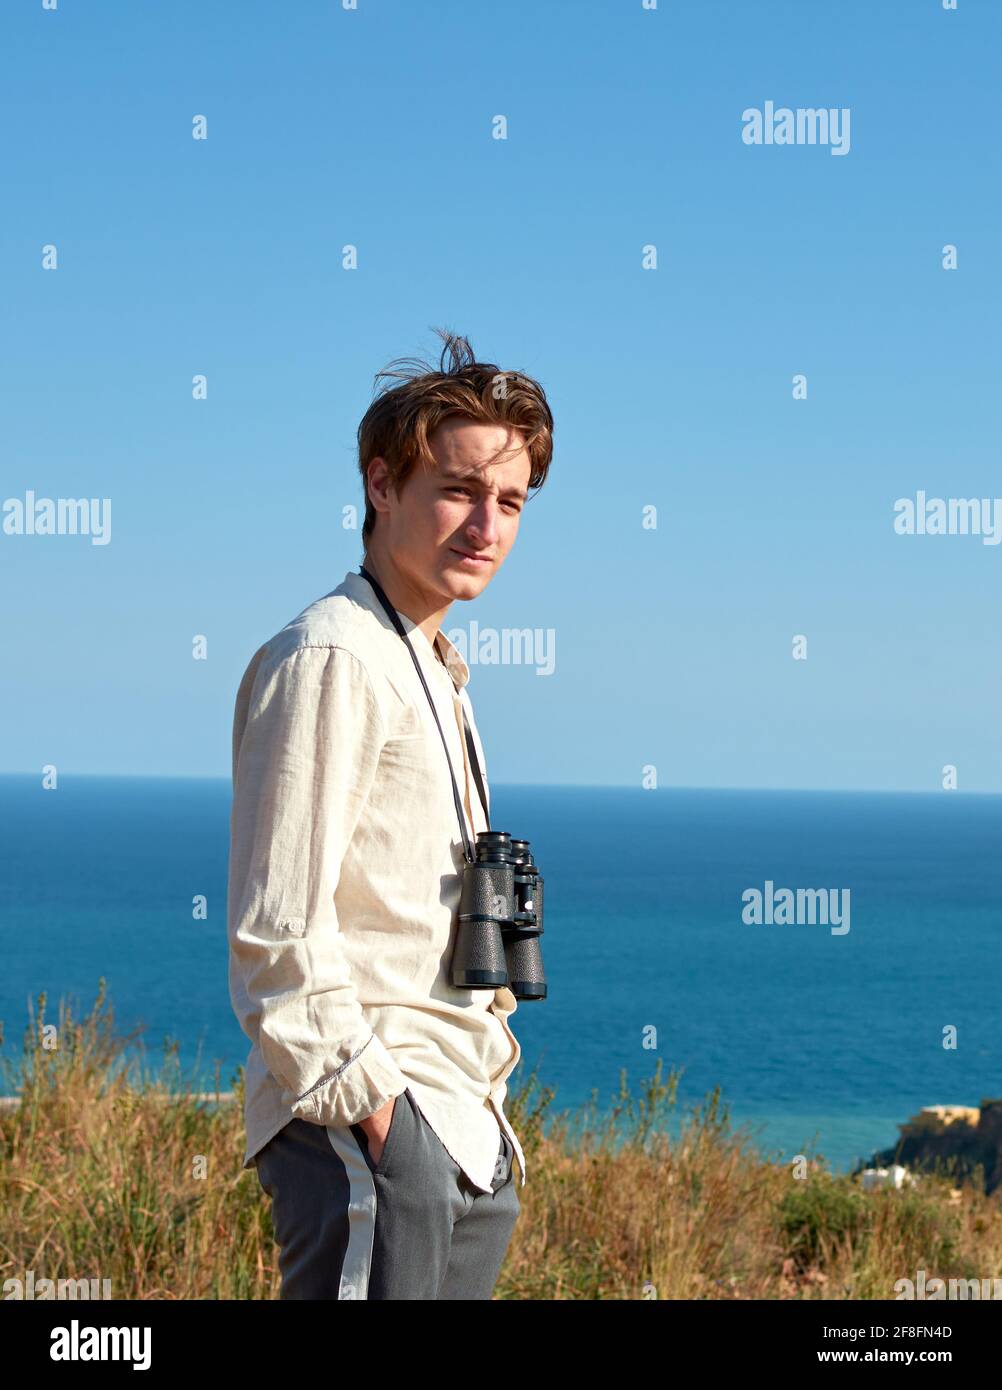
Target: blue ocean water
x=819 y=1042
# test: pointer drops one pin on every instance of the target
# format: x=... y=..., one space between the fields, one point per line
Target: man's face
x=465 y=507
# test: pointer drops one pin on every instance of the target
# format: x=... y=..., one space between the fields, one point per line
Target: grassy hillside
x=99 y=1179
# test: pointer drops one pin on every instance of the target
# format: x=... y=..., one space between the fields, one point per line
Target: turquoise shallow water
x=811 y=1036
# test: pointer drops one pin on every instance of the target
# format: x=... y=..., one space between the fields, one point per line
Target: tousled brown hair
x=401 y=419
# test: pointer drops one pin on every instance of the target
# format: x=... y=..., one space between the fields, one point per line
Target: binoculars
x=500 y=919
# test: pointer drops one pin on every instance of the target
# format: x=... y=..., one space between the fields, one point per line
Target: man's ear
x=377 y=482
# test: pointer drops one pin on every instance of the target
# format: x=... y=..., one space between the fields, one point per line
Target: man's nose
x=484 y=520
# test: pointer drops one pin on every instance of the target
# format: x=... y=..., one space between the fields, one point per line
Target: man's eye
x=512 y=507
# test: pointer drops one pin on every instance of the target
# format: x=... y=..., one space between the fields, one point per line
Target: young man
x=374 y=1086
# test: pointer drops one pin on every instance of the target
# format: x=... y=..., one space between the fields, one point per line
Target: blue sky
x=671 y=388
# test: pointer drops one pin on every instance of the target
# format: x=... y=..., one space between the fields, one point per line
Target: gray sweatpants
x=411 y=1226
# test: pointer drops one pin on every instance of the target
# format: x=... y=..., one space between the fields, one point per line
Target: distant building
x=936 y=1118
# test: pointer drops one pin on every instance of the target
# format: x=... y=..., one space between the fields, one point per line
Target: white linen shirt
x=344 y=879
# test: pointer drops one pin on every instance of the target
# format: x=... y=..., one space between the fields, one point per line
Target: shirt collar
x=454 y=663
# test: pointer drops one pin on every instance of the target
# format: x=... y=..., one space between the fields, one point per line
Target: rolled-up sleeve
x=306 y=744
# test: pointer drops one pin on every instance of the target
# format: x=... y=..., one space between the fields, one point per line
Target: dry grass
x=104 y=1179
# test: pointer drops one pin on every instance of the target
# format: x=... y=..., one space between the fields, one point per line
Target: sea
x=821 y=1039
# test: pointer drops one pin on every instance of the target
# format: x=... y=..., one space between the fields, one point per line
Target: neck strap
x=394 y=618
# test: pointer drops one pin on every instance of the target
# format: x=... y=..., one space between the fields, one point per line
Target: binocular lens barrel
x=500 y=919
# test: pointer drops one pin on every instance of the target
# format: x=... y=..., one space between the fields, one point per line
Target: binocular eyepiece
x=500 y=919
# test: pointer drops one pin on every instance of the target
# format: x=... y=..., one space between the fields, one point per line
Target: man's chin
x=465 y=584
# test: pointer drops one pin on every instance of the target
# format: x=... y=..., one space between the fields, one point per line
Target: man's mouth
x=471 y=558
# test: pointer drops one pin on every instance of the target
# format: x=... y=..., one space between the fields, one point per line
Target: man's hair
x=401 y=419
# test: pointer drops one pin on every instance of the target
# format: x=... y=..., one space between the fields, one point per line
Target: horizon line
x=555 y=786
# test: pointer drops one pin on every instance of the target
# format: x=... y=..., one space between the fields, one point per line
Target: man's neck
x=423 y=609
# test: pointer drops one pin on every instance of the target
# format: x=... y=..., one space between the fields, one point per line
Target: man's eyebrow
x=473 y=476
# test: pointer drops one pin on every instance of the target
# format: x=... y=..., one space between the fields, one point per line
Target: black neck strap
x=394 y=618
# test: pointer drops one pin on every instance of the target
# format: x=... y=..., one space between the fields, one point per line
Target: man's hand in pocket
x=377 y=1126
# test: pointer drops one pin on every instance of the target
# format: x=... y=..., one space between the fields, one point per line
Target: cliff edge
x=968 y=1135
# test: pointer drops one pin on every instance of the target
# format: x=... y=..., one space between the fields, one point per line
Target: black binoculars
x=500 y=919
